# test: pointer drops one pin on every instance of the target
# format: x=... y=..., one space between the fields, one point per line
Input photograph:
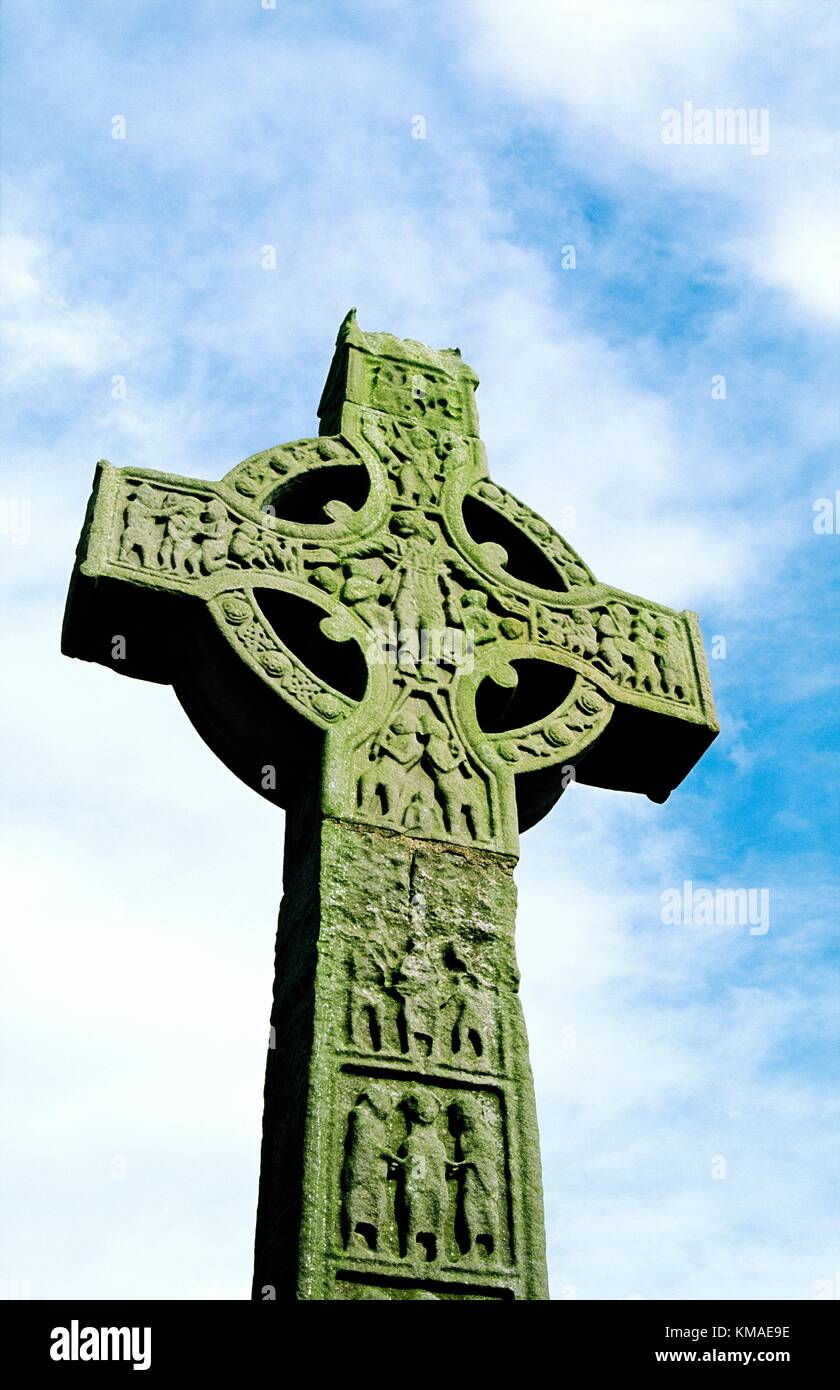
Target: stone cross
x=378 y=638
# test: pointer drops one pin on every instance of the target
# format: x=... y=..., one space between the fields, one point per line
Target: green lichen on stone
x=418 y=1152
x=353 y=622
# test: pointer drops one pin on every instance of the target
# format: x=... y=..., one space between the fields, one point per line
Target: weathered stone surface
x=412 y=1163
x=377 y=637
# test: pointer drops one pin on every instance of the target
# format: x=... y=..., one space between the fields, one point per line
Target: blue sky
x=141 y=879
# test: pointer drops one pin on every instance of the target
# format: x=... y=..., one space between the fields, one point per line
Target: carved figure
x=671 y=658
x=417 y=984
x=422 y=813
x=471 y=1010
x=477 y=1167
x=385 y=784
x=246 y=545
x=218 y=531
x=140 y=542
x=413 y=474
x=180 y=549
x=368 y=999
x=476 y=616
x=364 y=1176
x=463 y=792
x=612 y=645
x=415 y=585
x=423 y=1161
x=360 y=591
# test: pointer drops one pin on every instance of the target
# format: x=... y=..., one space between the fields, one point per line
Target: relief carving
x=638 y=648
x=419 y=392
x=479 y=1190
x=643 y=650
x=371 y=997
x=418 y=776
x=254 y=635
x=407 y=449
x=423 y=1168
x=422 y=1177
x=470 y=1007
x=570 y=568
x=185 y=535
x=364 y=1177
x=428 y=1001
x=256 y=475
x=583 y=713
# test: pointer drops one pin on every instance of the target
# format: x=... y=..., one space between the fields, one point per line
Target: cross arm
x=167 y=565
x=135 y=567
x=154 y=542
x=649 y=662
x=640 y=712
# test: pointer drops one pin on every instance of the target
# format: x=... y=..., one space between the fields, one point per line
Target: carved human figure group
x=430 y=1003
x=436 y=1194
x=191 y=535
x=636 y=647
x=419 y=776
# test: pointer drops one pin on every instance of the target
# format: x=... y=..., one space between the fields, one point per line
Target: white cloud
x=569 y=427
x=655 y=1051
x=601 y=75
x=44 y=331
x=610 y=62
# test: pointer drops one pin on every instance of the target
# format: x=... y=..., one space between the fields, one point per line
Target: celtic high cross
x=375 y=636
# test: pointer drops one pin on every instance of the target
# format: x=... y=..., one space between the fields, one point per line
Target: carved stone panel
x=424 y=999
x=422 y=1181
